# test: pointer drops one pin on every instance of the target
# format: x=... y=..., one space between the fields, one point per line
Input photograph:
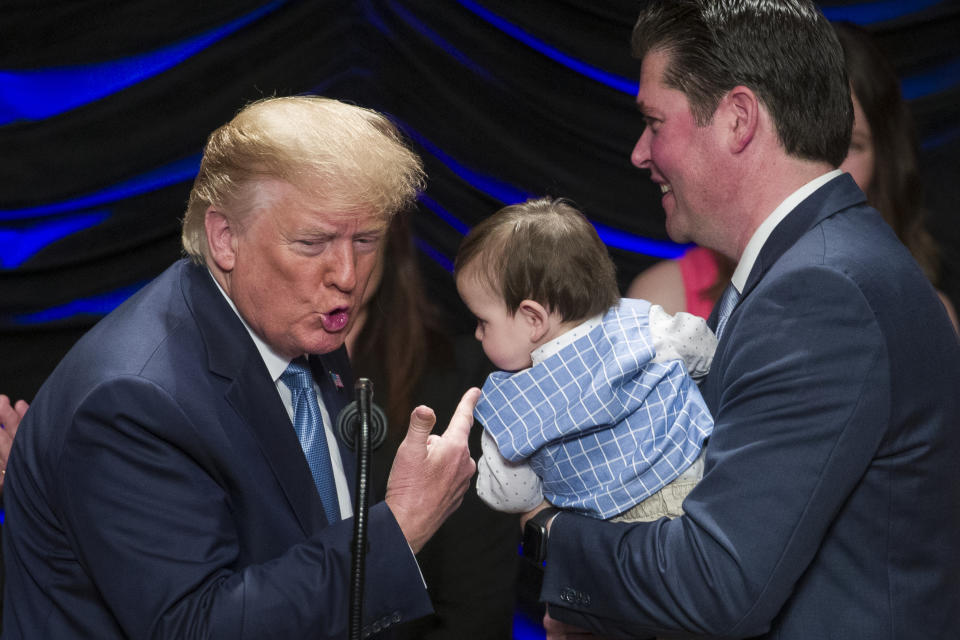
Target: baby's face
x=504 y=337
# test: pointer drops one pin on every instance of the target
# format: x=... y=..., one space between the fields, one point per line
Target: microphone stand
x=364 y=389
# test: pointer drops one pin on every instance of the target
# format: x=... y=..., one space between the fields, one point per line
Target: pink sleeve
x=698 y=268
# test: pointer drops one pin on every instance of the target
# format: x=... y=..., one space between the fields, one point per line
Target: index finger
x=9 y=416
x=458 y=431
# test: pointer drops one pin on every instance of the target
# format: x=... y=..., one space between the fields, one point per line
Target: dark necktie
x=308 y=424
x=728 y=300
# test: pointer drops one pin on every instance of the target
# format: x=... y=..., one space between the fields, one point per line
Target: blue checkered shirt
x=601 y=424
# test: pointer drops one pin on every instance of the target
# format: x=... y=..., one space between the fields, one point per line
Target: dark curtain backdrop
x=105 y=106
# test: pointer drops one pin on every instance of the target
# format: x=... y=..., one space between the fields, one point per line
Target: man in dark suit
x=161 y=485
x=830 y=502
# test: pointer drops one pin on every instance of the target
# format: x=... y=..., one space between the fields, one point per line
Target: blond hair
x=348 y=158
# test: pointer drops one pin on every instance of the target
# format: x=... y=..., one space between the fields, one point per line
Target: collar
x=759 y=237
x=276 y=364
x=547 y=349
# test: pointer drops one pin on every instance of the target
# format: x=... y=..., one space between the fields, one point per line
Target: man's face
x=504 y=336
x=299 y=270
x=678 y=153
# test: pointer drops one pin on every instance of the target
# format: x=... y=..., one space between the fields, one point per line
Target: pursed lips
x=335 y=319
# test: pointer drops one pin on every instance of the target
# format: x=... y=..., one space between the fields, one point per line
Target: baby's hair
x=545 y=250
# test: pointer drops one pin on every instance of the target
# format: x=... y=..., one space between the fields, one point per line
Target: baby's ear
x=536 y=318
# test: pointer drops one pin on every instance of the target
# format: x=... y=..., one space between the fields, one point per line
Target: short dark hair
x=545 y=250
x=783 y=50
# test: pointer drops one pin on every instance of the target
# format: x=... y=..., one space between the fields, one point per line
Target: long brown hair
x=896 y=189
x=394 y=337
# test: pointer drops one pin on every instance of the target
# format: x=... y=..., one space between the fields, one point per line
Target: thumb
x=421 y=424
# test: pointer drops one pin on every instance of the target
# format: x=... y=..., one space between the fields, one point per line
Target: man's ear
x=221 y=239
x=742 y=110
x=535 y=317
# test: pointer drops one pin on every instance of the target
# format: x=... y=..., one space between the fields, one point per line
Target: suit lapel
x=253 y=396
x=838 y=194
x=332 y=373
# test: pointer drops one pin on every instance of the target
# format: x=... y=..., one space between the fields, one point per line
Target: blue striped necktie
x=308 y=424
x=728 y=300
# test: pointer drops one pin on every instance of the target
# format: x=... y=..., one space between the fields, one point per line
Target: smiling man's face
x=680 y=155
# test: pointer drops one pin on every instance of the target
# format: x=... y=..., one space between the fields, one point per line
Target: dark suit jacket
x=161 y=491
x=830 y=504
x=471 y=562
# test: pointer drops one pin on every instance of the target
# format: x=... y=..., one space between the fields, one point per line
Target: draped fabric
x=105 y=107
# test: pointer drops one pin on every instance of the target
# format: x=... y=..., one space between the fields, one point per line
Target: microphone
x=348 y=424
x=363 y=427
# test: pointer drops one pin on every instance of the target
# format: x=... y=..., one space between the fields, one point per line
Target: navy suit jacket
x=830 y=503
x=161 y=491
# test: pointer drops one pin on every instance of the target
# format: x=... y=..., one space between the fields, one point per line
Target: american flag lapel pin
x=337 y=382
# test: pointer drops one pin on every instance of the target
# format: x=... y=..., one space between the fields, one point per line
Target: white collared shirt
x=547 y=349
x=674 y=337
x=276 y=365
x=759 y=237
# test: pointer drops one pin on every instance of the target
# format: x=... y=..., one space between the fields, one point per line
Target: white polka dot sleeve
x=506 y=486
x=683 y=336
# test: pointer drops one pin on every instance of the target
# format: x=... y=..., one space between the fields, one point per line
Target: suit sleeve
x=803 y=404
x=152 y=517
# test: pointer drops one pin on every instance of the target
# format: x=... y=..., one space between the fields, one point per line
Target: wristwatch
x=535 y=535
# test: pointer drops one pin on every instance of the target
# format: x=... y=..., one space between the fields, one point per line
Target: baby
x=596 y=408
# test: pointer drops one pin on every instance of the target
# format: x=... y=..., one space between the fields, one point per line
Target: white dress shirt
x=759 y=237
x=276 y=365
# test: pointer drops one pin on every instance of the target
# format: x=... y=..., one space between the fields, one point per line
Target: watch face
x=534 y=542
